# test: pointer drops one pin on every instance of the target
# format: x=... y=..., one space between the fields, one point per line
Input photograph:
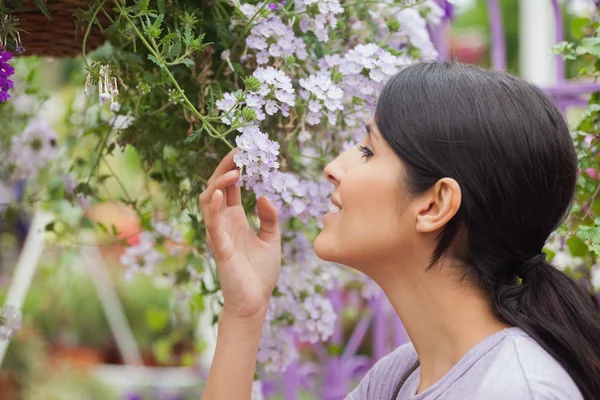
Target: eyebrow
x=369 y=130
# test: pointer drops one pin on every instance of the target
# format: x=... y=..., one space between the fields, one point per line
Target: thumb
x=269 y=225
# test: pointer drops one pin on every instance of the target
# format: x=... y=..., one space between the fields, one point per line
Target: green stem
x=87 y=32
x=114 y=175
x=100 y=149
x=107 y=15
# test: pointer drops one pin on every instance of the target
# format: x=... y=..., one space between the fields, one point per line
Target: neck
x=443 y=316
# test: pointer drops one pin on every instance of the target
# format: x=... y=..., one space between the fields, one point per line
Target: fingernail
x=231 y=173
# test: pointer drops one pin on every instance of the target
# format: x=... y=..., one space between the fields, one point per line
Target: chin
x=324 y=249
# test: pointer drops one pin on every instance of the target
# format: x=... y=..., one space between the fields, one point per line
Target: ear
x=438 y=205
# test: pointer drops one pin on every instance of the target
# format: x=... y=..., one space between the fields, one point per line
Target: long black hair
x=510 y=150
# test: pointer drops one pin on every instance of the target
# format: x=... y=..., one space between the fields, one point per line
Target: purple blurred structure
x=337 y=371
x=334 y=375
x=565 y=94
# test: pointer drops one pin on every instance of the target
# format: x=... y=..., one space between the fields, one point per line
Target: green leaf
x=188 y=62
x=167 y=38
x=174 y=50
x=41 y=4
x=157 y=319
x=195 y=135
x=156 y=176
x=589 y=45
x=187 y=35
x=142 y=6
x=154 y=60
x=102 y=226
x=577 y=247
x=159 y=20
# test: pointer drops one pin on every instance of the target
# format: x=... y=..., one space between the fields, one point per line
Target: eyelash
x=366 y=152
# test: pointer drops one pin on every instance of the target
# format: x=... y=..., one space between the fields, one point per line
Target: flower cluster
x=10 y=322
x=33 y=149
x=320 y=16
x=300 y=310
x=296 y=197
x=257 y=156
x=149 y=252
x=275 y=85
x=143 y=257
x=366 y=67
x=271 y=38
x=6 y=71
x=107 y=87
x=323 y=96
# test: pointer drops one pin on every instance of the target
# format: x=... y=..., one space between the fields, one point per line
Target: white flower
x=33 y=149
x=595 y=277
x=257 y=391
x=248 y=10
x=141 y=258
x=10 y=322
x=7 y=196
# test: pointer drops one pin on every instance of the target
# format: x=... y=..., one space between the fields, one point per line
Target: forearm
x=232 y=369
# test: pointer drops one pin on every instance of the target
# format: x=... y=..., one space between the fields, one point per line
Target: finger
x=269 y=225
x=234 y=194
x=212 y=222
x=226 y=164
x=220 y=183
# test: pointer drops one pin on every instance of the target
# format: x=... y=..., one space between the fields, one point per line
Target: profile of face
x=377 y=221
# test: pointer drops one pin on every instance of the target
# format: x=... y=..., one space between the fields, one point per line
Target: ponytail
x=559 y=315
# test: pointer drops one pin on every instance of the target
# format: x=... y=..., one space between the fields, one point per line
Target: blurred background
x=74 y=341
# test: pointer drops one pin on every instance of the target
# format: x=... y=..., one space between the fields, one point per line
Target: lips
x=336 y=202
x=334 y=209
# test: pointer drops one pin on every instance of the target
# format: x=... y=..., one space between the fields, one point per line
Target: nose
x=334 y=171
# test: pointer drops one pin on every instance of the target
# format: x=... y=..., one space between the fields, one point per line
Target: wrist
x=229 y=317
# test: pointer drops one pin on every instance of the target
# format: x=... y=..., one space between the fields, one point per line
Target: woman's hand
x=248 y=262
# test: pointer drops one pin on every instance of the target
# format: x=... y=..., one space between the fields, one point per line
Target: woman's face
x=374 y=223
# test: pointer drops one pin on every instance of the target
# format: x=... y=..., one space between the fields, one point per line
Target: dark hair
x=510 y=150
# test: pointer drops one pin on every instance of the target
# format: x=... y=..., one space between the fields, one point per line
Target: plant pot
x=60 y=36
x=79 y=357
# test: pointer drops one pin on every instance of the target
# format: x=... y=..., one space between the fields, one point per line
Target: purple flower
x=6 y=84
x=6 y=70
x=5 y=56
x=20 y=48
x=257 y=156
x=4 y=96
x=274 y=6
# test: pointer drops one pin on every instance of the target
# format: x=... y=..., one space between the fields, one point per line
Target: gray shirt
x=508 y=365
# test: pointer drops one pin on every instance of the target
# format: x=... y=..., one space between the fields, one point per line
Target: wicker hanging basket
x=57 y=37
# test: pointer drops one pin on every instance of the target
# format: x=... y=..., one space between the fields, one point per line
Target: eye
x=366 y=152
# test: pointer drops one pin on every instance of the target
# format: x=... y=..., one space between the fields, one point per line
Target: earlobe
x=438 y=205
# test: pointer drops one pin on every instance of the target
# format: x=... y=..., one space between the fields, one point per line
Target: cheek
x=369 y=227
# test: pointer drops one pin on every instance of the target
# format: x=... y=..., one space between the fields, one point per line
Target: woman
x=447 y=203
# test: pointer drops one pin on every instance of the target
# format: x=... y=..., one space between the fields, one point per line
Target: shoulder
x=520 y=368
x=381 y=380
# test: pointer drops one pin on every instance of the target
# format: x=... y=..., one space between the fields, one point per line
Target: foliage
x=580 y=235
